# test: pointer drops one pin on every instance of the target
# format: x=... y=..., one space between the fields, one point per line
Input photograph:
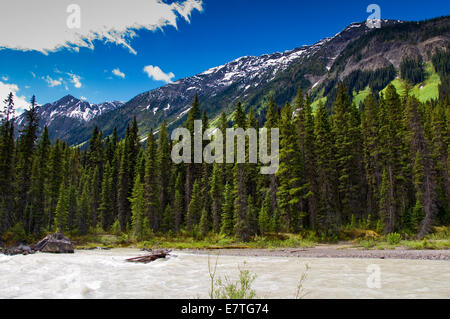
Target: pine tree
x=305 y=124
x=105 y=209
x=130 y=151
x=252 y=216
x=192 y=169
x=7 y=172
x=423 y=170
x=253 y=170
x=217 y=196
x=392 y=156
x=418 y=212
x=38 y=193
x=178 y=204
x=195 y=208
x=164 y=166
x=348 y=151
x=62 y=210
x=151 y=184
x=227 y=227
x=84 y=207
x=264 y=216
x=204 y=223
x=96 y=189
x=72 y=207
x=138 y=209
x=226 y=168
x=168 y=223
x=328 y=214
x=440 y=140
x=272 y=121
x=35 y=199
x=26 y=148
x=123 y=204
x=54 y=182
x=240 y=184
x=290 y=191
x=370 y=130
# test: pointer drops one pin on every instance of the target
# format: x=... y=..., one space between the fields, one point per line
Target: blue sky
x=217 y=34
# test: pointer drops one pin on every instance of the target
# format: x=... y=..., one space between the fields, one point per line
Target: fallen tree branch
x=158 y=254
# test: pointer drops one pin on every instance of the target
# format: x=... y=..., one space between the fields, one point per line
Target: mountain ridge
x=252 y=79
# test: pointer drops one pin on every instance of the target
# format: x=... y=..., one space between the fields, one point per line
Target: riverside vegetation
x=352 y=172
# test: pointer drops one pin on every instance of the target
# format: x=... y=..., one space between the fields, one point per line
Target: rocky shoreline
x=331 y=252
x=56 y=244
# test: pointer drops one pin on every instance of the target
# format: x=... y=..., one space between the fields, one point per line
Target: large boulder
x=55 y=244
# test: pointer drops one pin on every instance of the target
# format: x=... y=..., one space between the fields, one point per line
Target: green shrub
x=116 y=228
x=370 y=243
x=393 y=238
x=227 y=289
x=15 y=235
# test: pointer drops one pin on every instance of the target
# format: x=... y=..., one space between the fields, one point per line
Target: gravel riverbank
x=332 y=252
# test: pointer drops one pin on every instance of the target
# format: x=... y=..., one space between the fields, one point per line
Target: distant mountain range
x=252 y=79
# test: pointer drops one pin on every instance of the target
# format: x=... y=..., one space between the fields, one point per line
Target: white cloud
x=5 y=78
x=83 y=98
x=76 y=80
x=33 y=74
x=155 y=73
x=117 y=72
x=20 y=102
x=52 y=82
x=104 y=20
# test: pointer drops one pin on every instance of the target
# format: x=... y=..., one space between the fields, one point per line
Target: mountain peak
x=66 y=99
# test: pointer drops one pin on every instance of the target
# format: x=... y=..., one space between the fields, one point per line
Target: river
x=105 y=274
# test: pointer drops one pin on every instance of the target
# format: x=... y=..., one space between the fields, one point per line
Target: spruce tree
x=227 y=227
x=138 y=209
x=240 y=184
x=105 y=209
x=290 y=174
x=195 y=208
x=327 y=214
x=84 y=207
x=306 y=137
x=346 y=130
x=164 y=167
x=193 y=170
x=264 y=216
x=370 y=130
x=423 y=169
x=217 y=191
x=204 y=223
x=7 y=169
x=62 y=210
x=178 y=204
x=26 y=148
x=153 y=211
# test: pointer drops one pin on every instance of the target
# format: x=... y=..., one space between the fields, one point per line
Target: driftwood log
x=157 y=254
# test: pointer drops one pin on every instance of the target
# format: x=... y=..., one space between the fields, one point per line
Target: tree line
x=384 y=162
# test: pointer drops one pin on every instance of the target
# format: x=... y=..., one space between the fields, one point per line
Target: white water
x=105 y=274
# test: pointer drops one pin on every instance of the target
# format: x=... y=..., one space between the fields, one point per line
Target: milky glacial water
x=105 y=274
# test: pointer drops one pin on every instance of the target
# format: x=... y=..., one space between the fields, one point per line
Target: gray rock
x=55 y=244
x=19 y=250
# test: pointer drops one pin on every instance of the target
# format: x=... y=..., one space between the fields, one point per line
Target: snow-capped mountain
x=63 y=115
x=220 y=87
x=251 y=79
